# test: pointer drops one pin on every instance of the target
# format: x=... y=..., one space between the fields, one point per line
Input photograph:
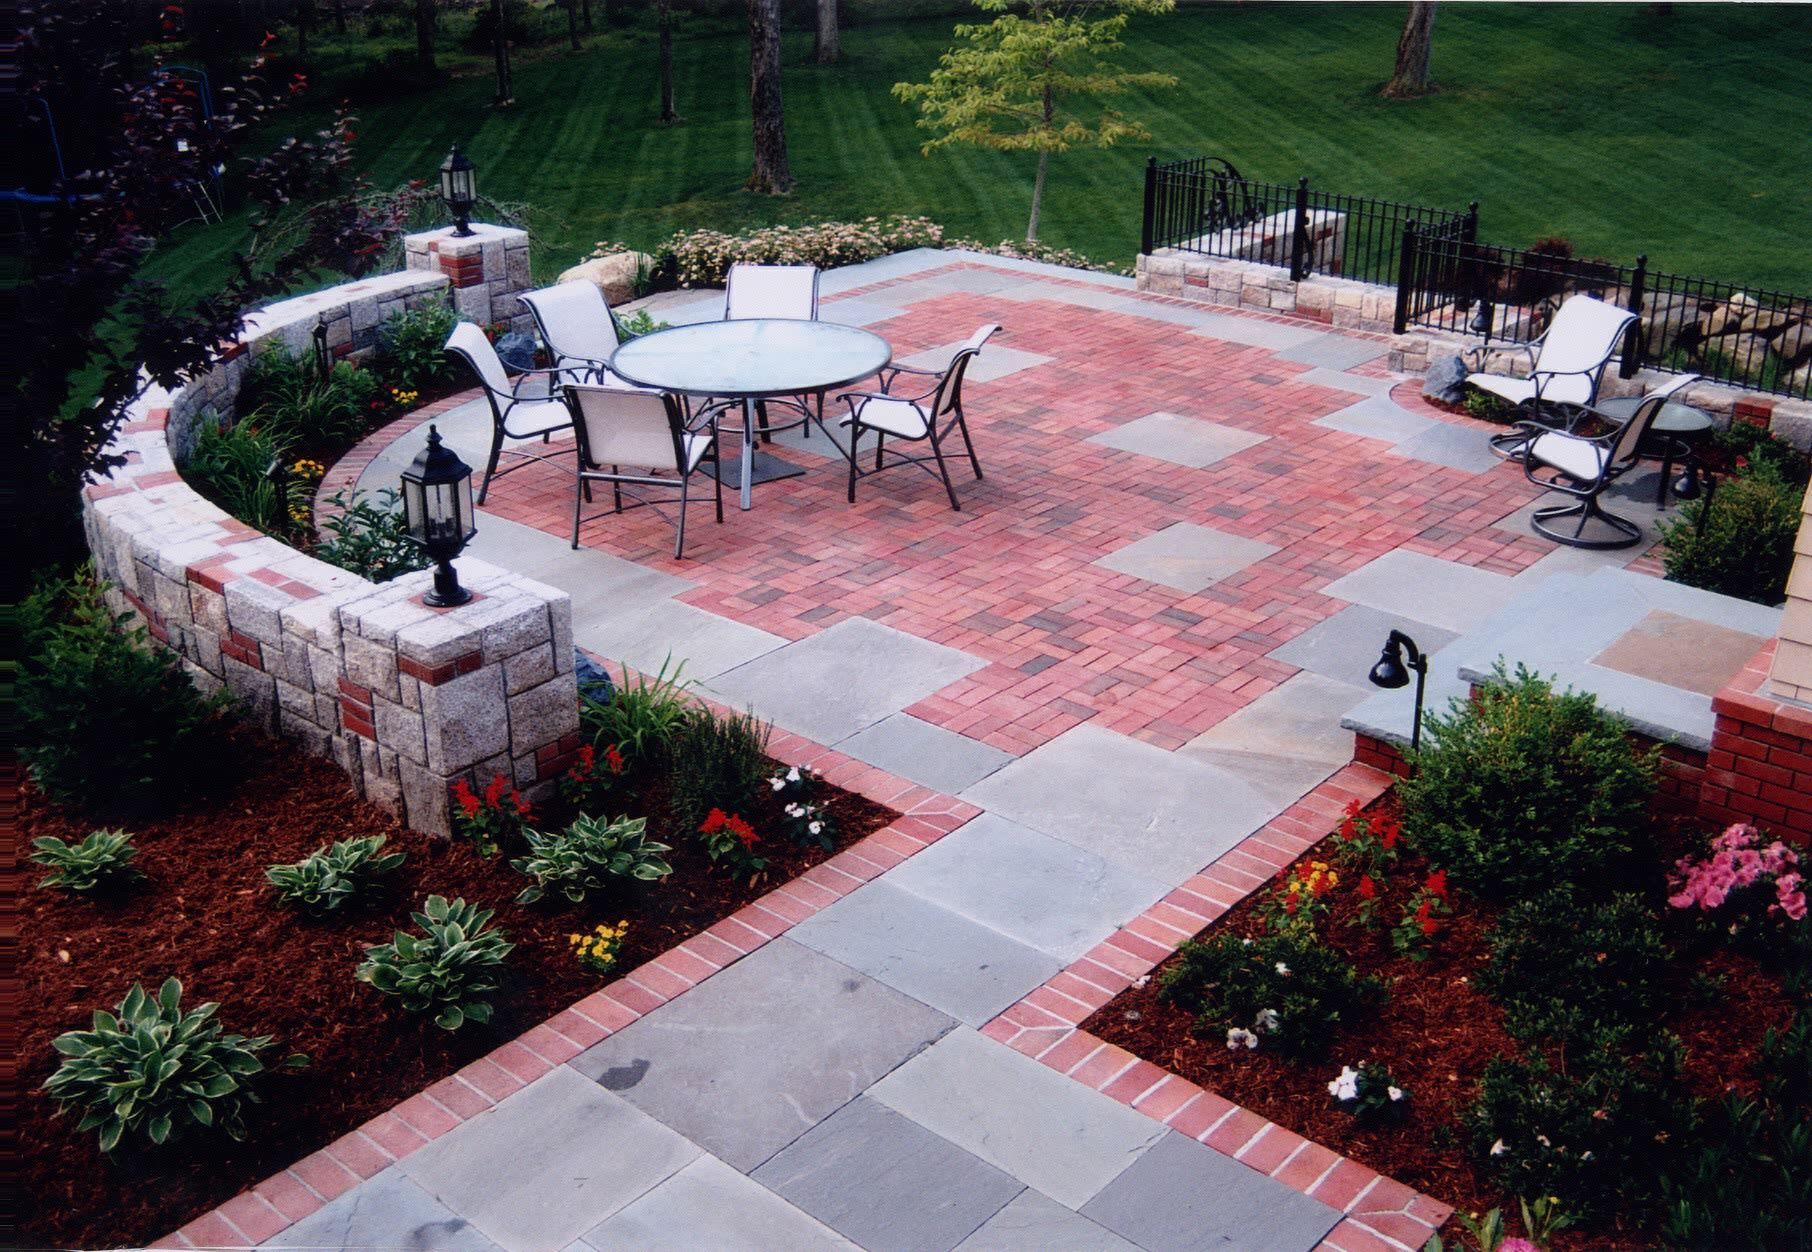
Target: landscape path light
x=1392 y=671
x=459 y=188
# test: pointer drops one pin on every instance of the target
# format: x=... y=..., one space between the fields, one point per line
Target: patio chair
x=615 y=428
x=786 y=291
x=515 y=414
x=1583 y=466
x=928 y=416
x=1566 y=364
x=579 y=330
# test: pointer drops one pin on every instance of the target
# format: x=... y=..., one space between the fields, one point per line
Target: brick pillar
x=1759 y=769
x=488 y=270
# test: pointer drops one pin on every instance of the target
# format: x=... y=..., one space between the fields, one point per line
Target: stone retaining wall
x=407 y=699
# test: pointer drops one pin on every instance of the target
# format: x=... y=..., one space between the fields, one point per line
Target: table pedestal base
x=766 y=469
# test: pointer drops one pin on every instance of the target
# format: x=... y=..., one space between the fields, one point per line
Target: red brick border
x=1380 y=1213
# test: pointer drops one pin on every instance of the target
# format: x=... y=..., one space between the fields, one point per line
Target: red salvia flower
x=613 y=760
x=462 y=796
x=714 y=822
x=1437 y=883
x=1367 y=888
x=743 y=831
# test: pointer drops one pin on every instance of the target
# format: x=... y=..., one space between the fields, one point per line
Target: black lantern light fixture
x=459 y=188
x=437 y=512
x=1392 y=671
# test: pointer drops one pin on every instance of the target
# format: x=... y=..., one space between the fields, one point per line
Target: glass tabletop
x=751 y=357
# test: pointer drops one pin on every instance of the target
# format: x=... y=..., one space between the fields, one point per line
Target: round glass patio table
x=748 y=360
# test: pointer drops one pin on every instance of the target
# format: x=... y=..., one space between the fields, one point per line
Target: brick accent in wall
x=1759 y=769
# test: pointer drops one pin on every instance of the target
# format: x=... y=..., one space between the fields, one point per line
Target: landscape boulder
x=615 y=275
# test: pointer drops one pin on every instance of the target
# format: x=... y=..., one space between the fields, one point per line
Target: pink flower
x=1514 y=1244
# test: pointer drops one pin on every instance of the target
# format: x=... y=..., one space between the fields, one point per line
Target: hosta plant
x=102 y=860
x=448 y=969
x=150 y=1070
x=327 y=878
x=593 y=854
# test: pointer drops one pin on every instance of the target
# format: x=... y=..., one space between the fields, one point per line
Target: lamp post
x=459 y=188
x=1391 y=672
x=437 y=512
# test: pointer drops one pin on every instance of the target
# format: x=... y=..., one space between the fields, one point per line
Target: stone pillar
x=1791 y=676
x=488 y=270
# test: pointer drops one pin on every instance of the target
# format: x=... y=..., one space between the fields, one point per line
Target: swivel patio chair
x=515 y=413
x=615 y=428
x=1566 y=365
x=1583 y=466
x=579 y=330
x=928 y=416
x=784 y=291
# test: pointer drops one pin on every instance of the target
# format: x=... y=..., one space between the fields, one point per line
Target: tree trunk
x=424 y=33
x=828 y=47
x=1044 y=156
x=585 y=14
x=305 y=21
x=572 y=23
x=663 y=12
x=771 y=175
x=339 y=18
x=1411 y=77
x=501 y=44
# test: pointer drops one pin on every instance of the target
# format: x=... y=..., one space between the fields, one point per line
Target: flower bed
x=205 y=912
x=1627 y=1034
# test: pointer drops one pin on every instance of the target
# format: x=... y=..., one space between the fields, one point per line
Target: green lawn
x=1681 y=135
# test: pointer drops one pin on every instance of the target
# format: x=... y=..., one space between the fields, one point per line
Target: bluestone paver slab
x=750 y=1059
x=596 y=581
x=1362 y=384
x=1377 y=417
x=844 y=679
x=1035 y=1221
x=1339 y=352
x=937 y=957
x=645 y=637
x=1344 y=647
x=1631 y=498
x=1256 y=332
x=1184 y=1197
x=1149 y=811
x=1180 y=440
x=388 y=1210
x=709 y=1207
x=1443 y=593
x=1681 y=652
x=1185 y=556
x=1046 y=893
x=858 y=312
x=1286 y=741
x=549 y=1162
x=1044 y=1128
x=994 y=361
x=938 y=758
x=1457 y=447
x=886 y=1182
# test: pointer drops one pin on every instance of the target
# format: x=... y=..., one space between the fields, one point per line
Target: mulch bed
x=1437 y=1032
x=206 y=915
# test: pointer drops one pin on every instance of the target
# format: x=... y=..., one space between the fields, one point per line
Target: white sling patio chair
x=927 y=416
x=1583 y=467
x=515 y=413
x=1566 y=365
x=615 y=428
x=784 y=291
x=579 y=330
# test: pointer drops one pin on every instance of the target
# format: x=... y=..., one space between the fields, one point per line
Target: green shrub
x=447 y=969
x=1737 y=540
x=1489 y=407
x=701 y=258
x=370 y=539
x=288 y=401
x=411 y=354
x=718 y=763
x=151 y=1070
x=592 y=854
x=1562 y=967
x=1284 y=991
x=1599 y=1135
x=638 y=324
x=111 y=724
x=1523 y=787
x=244 y=471
x=1746 y=1182
x=1743 y=447
x=102 y=860
x=641 y=720
x=327 y=878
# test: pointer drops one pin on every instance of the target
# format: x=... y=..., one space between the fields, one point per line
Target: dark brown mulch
x=205 y=915
x=1437 y=1032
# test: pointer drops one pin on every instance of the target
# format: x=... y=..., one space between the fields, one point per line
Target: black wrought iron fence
x=1204 y=206
x=1727 y=332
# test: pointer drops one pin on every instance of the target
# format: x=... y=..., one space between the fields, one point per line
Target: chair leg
x=855 y=435
x=879 y=440
x=679 y=541
x=616 y=488
x=1587 y=510
x=943 y=472
x=576 y=507
x=490 y=466
x=718 y=478
x=963 y=427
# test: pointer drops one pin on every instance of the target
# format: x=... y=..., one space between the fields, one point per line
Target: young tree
x=1006 y=84
x=771 y=174
x=424 y=34
x=663 y=13
x=572 y=24
x=1411 y=76
x=828 y=46
x=500 y=47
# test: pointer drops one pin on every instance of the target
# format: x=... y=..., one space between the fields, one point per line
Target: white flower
x=1237 y=1038
x=1283 y=969
x=1141 y=980
x=1499 y=1148
x=1245 y=943
x=1543 y=1140
x=1345 y=1087
x=777 y=783
x=1586 y=1155
x=1395 y=1093
x=1268 y=1021
x=792 y=775
x=794 y=810
x=816 y=828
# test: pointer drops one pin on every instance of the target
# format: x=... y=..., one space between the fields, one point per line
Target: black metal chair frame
x=591 y=471
x=500 y=419
x=594 y=369
x=946 y=397
x=1536 y=412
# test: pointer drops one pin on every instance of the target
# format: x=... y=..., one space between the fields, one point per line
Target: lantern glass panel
x=413 y=520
